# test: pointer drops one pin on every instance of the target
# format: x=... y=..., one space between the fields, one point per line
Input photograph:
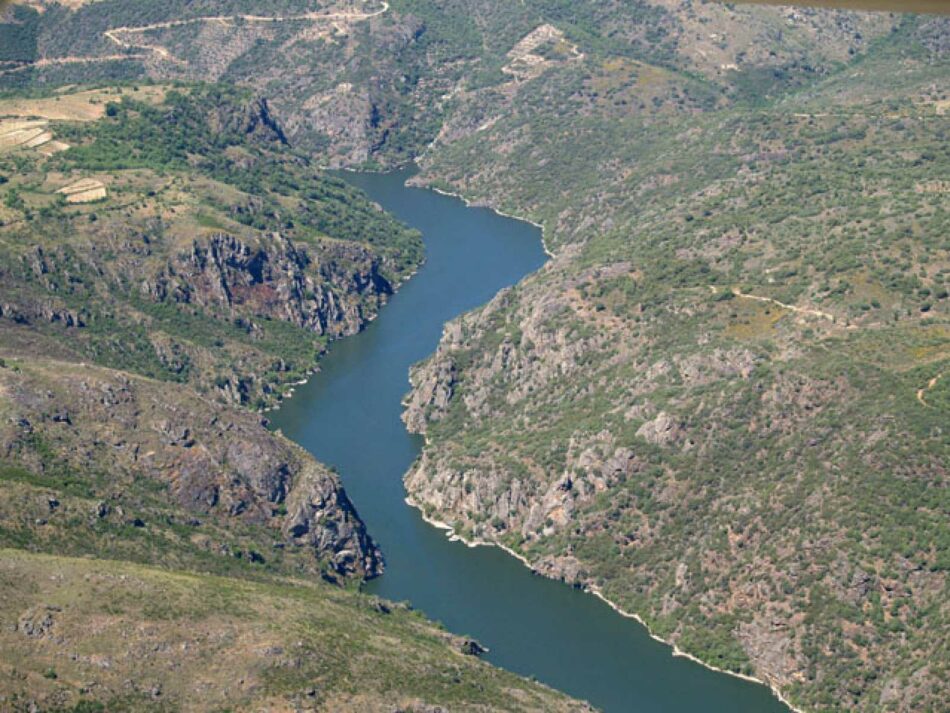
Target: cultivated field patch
x=78 y=106
x=86 y=190
x=18 y=134
x=540 y=49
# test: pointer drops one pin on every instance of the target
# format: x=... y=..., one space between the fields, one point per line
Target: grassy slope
x=120 y=636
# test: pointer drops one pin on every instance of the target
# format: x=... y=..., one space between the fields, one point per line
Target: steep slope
x=708 y=406
x=174 y=257
x=723 y=403
x=222 y=256
x=168 y=261
x=111 y=464
x=375 y=83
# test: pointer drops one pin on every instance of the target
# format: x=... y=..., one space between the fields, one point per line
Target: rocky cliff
x=212 y=276
x=723 y=404
x=330 y=291
x=211 y=460
x=229 y=264
x=708 y=486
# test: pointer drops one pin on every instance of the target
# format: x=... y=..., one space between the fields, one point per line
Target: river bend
x=348 y=416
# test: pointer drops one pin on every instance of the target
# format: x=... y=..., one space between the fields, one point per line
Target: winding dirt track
x=52 y=61
x=800 y=310
x=921 y=393
x=157 y=50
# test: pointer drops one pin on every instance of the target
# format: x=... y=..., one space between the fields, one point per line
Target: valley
x=720 y=405
x=150 y=521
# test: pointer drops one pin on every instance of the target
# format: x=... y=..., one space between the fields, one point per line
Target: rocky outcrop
x=213 y=460
x=618 y=442
x=256 y=121
x=320 y=516
x=662 y=430
x=32 y=311
x=432 y=389
x=329 y=288
x=328 y=292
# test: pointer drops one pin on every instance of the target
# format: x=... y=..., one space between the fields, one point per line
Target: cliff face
x=255 y=119
x=212 y=275
x=230 y=265
x=329 y=290
x=329 y=293
x=708 y=485
x=212 y=460
x=241 y=285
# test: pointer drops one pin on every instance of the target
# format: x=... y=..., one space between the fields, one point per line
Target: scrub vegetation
x=723 y=405
x=244 y=260
x=156 y=640
x=706 y=407
x=164 y=550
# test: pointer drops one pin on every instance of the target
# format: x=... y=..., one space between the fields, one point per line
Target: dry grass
x=754 y=320
x=28 y=135
x=87 y=190
x=525 y=64
x=152 y=639
x=940 y=7
x=78 y=106
x=26 y=121
x=48 y=149
x=41 y=5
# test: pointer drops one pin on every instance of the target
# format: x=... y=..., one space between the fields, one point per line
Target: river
x=348 y=416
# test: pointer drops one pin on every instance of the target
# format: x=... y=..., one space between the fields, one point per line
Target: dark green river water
x=348 y=416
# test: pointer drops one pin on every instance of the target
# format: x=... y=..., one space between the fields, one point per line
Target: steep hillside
x=169 y=264
x=183 y=222
x=102 y=463
x=723 y=404
x=164 y=254
x=369 y=82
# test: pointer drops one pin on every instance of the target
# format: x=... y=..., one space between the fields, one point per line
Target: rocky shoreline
x=412 y=412
x=453 y=536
